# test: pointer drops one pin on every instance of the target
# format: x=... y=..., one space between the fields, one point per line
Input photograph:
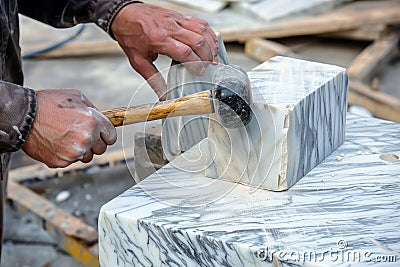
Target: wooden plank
x=378 y=103
x=365 y=33
x=73 y=235
x=40 y=171
x=262 y=50
x=373 y=57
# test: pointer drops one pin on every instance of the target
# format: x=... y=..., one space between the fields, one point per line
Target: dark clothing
x=18 y=104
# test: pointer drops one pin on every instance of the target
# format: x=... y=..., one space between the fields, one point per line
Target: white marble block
x=343 y=213
x=270 y=10
x=299 y=114
x=210 y=6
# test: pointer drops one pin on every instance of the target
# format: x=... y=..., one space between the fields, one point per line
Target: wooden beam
x=262 y=50
x=366 y=33
x=73 y=235
x=380 y=104
x=374 y=57
x=40 y=171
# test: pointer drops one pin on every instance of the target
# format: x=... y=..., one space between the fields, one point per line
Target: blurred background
x=51 y=215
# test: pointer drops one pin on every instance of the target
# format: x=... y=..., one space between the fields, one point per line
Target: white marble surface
x=210 y=6
x=270 y=10
x=299 y=118
x=347 y=205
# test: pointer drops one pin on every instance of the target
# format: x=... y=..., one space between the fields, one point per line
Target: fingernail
x=215 y=60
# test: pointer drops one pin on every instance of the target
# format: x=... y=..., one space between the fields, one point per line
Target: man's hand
x=144 y=31
x=67 y=128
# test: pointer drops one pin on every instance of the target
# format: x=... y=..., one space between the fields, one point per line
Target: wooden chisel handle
x=199 y=103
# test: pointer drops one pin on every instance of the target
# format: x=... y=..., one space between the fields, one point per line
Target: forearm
x=67 y=13
x=17 y=112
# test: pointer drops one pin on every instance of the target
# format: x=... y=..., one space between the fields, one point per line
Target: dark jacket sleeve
x=17 y=112
x=67 y=13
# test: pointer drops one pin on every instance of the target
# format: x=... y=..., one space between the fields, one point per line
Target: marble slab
x=210 y=6
x=346 y=207
x=299 y=113
x=270 y=10
x=181 y=133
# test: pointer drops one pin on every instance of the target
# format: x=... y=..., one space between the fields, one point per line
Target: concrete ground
x=109 y=81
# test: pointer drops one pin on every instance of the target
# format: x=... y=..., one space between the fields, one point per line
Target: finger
x=59 y=163
x=198 y=43
x=102 y=126
x=215 y=52
x=186 y=55
x=99 y=147
x=202 y=51
x=205 y=23
x=202 y=28
x=87 y=157
x=149 y=72
x=108 y=133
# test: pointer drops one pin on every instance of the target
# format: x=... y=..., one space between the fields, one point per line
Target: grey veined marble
x=343 y=212
x=299 y=113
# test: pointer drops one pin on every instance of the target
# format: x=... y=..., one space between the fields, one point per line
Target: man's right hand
x=144 y=31
x=67 y=128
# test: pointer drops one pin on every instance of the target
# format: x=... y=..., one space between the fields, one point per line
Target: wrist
x=20 y=126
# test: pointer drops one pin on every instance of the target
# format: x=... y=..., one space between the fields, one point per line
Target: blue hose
x=55 y=45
